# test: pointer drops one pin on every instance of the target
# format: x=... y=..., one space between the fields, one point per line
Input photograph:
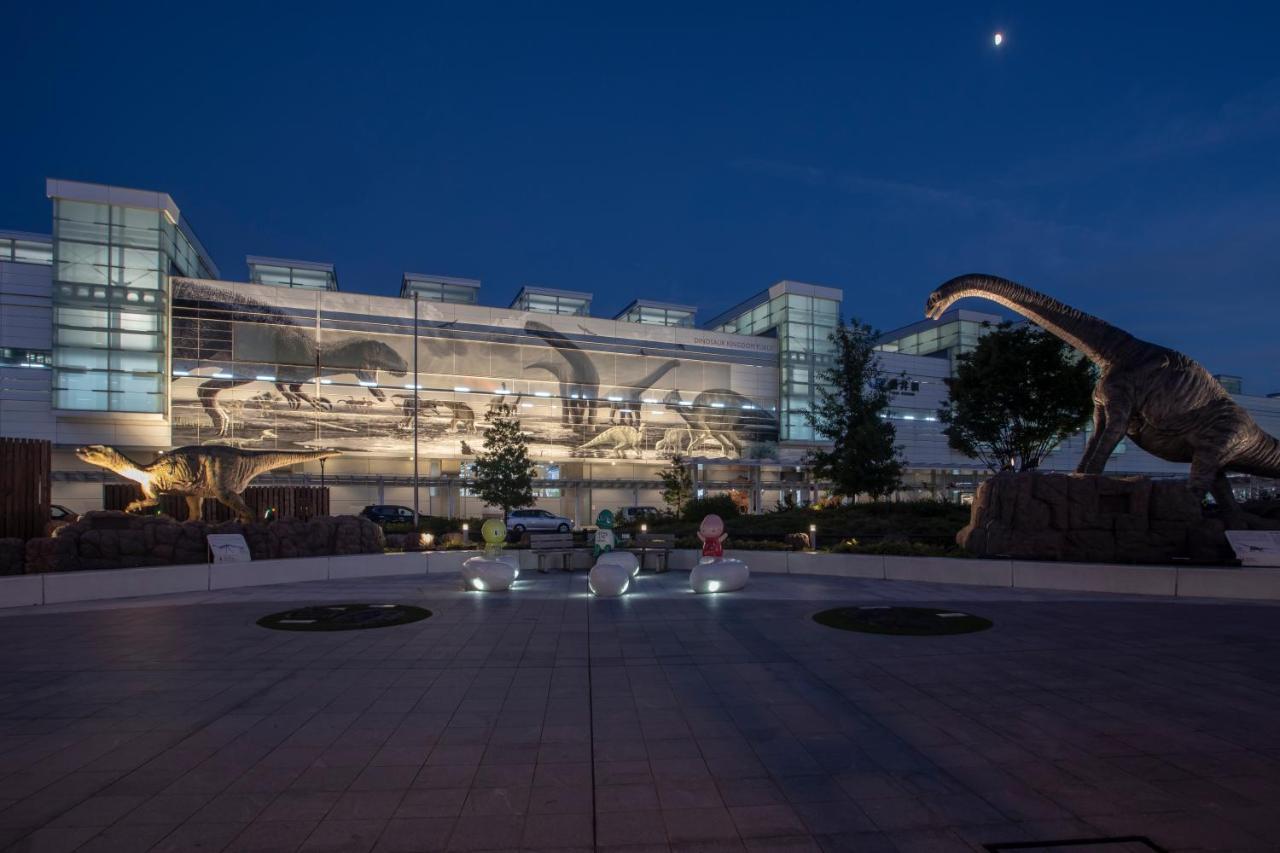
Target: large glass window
x=110 y=264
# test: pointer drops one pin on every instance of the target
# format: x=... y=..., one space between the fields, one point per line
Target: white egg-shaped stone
x=723 y=575
x=621 y=558
x=608 y=580
x=486 y=575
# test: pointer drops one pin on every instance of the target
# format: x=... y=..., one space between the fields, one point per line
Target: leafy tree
x=677 y=484
x=852 y=403
x=1016 y=397
x=504 y=474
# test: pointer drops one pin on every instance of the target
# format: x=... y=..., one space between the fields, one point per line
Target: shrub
x=897 y=548
x=721 y=505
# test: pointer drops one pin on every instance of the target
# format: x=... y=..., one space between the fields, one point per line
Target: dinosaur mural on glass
x=581 y=389
x=302 y=358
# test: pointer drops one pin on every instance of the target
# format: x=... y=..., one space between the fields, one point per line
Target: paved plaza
x=544 y=719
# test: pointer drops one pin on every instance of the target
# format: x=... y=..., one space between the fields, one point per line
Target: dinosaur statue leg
x=147 y=502
x=1232 y=514
x=236 y=504
x=195 y=506
x=1114 y=421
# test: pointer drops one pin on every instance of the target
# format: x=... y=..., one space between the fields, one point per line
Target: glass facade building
x=307 y=275
x=23 y=248
x=802 y=318
x=113 y=252
x=658 y=314
x=440 y=288
x=545 y=300
x=954 y=333
x=150 y=349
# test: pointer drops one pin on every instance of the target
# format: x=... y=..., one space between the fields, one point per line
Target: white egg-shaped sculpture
x=621 y=558
x=608 y=580
x=486 y=575
x=724 y=575
x=513 y=560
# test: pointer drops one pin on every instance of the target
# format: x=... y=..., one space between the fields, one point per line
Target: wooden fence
x=287 y=501
x=24 y=487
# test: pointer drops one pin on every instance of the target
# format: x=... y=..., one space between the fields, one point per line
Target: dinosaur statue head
x=104 y=457
x=951 y=292
x=113 y=460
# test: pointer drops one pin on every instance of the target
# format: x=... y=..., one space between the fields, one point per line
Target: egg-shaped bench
x=608 y=579
x=719 y=575
x=486 y=575
x=625 y=559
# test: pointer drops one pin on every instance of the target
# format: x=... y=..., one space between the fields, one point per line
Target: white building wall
x=26 y=322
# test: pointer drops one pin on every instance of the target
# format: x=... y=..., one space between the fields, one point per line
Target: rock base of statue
x=117 y=540
x=1092 y=518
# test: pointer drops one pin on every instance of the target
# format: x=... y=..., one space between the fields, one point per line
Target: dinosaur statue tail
x=269 y=460
x=1261 y=456
x=1097 y=339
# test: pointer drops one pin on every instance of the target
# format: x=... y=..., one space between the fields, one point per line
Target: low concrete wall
x=1230 y=583
x=65 y=587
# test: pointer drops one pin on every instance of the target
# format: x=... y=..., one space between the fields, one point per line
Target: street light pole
x=415 y=413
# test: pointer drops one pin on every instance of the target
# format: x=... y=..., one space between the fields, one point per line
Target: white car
x=520 y=520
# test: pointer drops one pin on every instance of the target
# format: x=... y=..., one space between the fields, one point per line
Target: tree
x=851 y=414
x=1016 y=397
x=677 y=484
x=504 y=474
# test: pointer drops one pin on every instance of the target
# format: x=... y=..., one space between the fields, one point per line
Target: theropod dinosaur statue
x=196 y=473
x=1165 y=402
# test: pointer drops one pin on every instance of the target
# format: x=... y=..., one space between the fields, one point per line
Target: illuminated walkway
x=543 y=719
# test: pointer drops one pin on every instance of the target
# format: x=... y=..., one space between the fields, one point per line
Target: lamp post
x=813 y=536
x=465 y=537
x=415 y=412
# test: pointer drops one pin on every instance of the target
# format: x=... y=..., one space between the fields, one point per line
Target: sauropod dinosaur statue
x=196 y=473
x=1165 y=402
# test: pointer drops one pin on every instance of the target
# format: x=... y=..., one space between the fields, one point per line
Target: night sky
x=1122 y=157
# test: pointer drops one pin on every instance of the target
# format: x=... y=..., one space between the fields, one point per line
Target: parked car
x=520 y=520
x=636 y=513
x=388 y=514
x=62 y=515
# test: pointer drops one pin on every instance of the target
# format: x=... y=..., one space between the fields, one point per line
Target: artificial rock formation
x=115 y=540
x=1091 y=518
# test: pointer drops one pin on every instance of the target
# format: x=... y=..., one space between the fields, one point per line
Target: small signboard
x=228 y=548
x=1256 y=547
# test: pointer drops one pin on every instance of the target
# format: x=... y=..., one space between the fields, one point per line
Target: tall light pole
x=415 y=412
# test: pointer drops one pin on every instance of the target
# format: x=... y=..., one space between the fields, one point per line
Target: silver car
x=520 y=520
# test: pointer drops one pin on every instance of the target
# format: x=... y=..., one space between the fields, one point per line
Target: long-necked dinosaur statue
x=1165 y=402
x=196 y=473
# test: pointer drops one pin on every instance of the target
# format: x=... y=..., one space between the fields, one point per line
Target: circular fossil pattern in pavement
x=343 y=617
x=903 y=621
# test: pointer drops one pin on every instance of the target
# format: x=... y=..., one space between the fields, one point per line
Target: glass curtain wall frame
x=803 y=325
x=111 y=265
